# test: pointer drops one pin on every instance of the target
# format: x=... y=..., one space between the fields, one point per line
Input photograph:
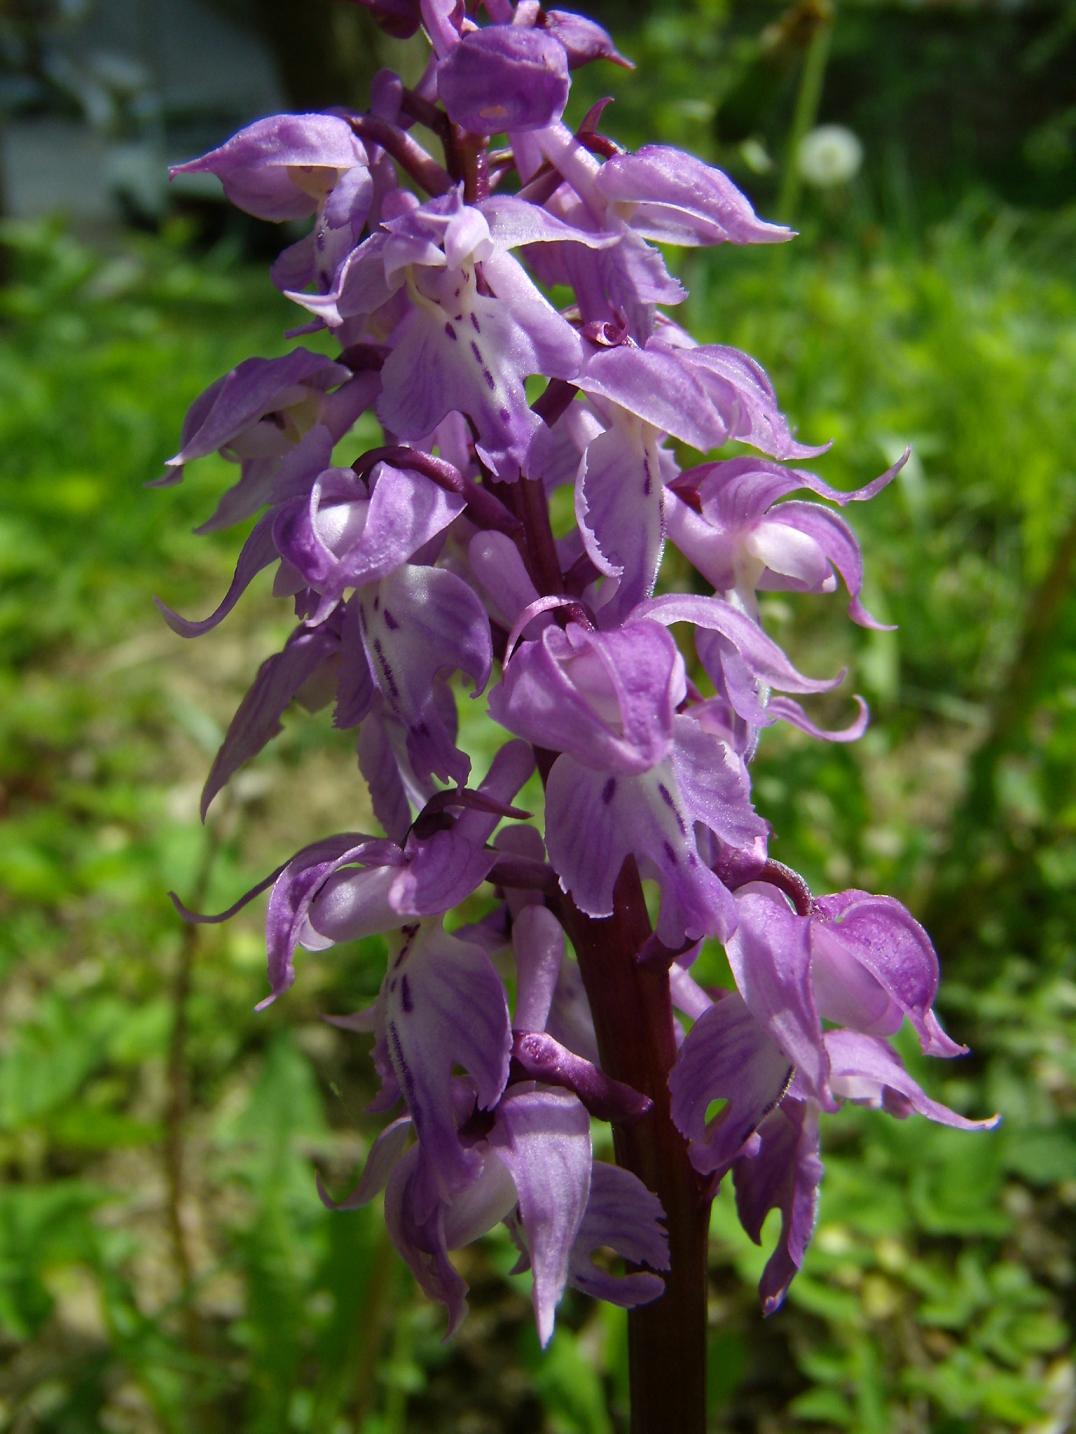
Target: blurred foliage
x=165 y=1264
x=948 y=96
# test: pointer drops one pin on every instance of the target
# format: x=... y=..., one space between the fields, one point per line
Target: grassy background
x=164 y=1261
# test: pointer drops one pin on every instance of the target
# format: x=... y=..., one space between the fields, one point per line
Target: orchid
x=568 y=997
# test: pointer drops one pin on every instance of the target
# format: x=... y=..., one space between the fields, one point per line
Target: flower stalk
x=633 y=1019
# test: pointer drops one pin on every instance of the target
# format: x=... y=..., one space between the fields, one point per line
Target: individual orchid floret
x=672 y=197
x=762 y=1052
x=258 y=408
x=473 y=325
x=533 y=1170
x=634 y=778
x=748 y=1047
x=349 y=886
x=658 y=192
x=442 y=1005
x=284 y=166
x=595 y=822
x=504 y=77
x=702 y=394
x=584 y=40
x=746 y=667
x=727 y=520
x=609 y=698
x=348 y=533
x=736 y=386
x=527 y=1160
x=258 y=413
x=872 y=965
x=413 y=623
x=780 y=1167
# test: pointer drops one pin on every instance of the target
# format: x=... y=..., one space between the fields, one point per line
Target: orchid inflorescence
x=435 y=553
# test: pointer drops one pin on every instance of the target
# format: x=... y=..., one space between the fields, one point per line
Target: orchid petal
x=504 y=77
x=624 y=1215
x=761 y=654
x=670 y=196
x=771 y=962
x=608 y=698
x=421 y=1242
x=538 y=943
x=296 y=888
x=595 y=821
x=867 y=1070
x=380 y=1163
x=727 y=1055
x=782 y=1171
x=543 y=1137
x=257 y=720
x=619 y=508
x=257 y=553
x=837 y=542
x=445 y=1006
x=737 y=387
x=419 y=624
x=879 y=936
x=258 y=166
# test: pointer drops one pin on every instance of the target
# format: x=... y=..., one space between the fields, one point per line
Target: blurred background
x=165 y=1264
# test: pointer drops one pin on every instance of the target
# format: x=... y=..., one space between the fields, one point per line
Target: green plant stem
x=808 y=99
x=379 y=1293
x=177 y=1099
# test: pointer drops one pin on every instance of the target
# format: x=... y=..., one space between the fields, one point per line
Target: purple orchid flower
x=763 y=1051
x=509 y=524
x=285 y=166
x=736 y=533
x=466 y=300
x=525 y=1159
x=505 y=77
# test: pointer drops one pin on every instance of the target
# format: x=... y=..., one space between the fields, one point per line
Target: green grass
x=932 y=1295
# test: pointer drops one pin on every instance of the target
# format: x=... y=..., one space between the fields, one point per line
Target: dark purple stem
x=542 y=185
x=633 y=1019
x=407 y=152
x=631 y=1005
x=474 y=155
x=790 y=882
x=426 y=113
x=555 y=401
x=486 y=511
x=545 y=565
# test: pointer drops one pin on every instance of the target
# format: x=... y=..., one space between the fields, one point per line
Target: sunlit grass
x=931 y=1297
